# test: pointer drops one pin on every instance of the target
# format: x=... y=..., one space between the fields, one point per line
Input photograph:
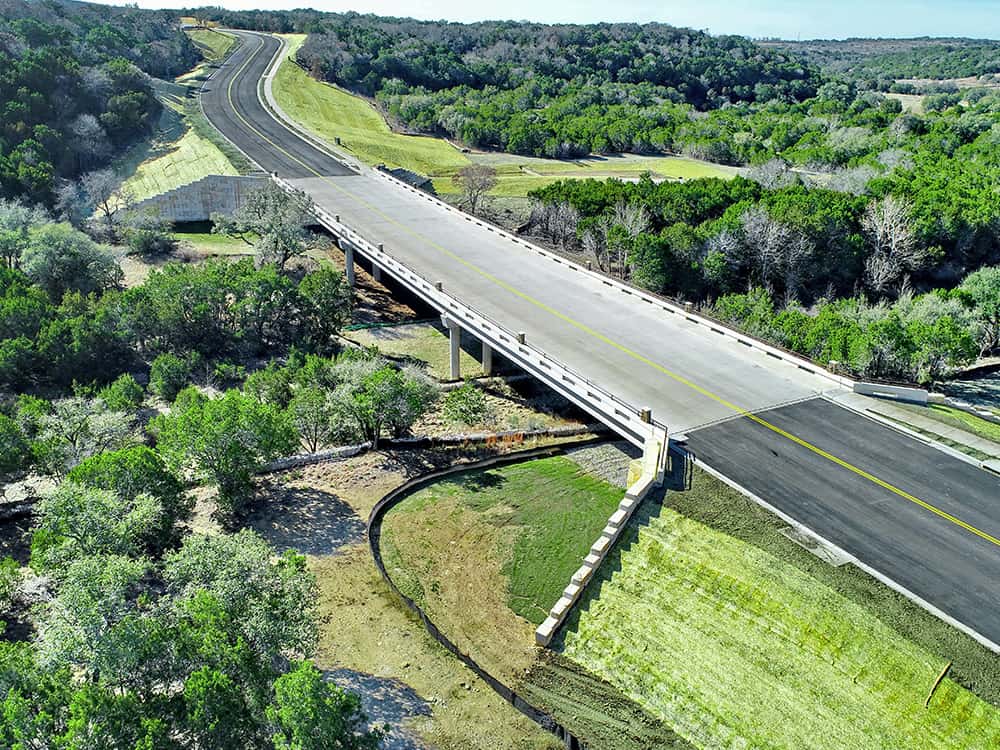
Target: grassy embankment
x=735 y=637
x=333 y=113
x=485 y=554
x=540 y=517
x=963 y=420
x=184 y=148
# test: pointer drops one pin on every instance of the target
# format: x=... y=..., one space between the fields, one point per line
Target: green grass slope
x=733 y=647
x=557 y=510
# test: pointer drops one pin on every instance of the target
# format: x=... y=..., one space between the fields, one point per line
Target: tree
x=271 y=221
x=76 y=521
x=775 y=251
x=894 y=247
x=59 y=258
x=309 y=713
x=475 y=181
x=135 y=471
x=77 y=428
x=225 y=440
x=982 y=289
x=16 y=222
x=123 y=395
x=169 y=374
x=314 y=417
x=15 y=453
x=377 y=397
x=147 y=233
x=325 y=302
x=106 y=195
x=269 y=601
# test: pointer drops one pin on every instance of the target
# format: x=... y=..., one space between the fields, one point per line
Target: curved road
x=917 y=517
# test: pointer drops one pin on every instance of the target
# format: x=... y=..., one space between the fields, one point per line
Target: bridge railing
x=636 y=423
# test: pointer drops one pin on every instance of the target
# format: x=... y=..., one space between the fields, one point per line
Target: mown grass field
x=333 y=113
x=734 y=646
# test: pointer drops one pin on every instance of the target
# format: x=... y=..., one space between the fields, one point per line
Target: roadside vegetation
x=738 y=648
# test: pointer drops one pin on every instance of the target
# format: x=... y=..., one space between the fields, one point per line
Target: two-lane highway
x=925 y=520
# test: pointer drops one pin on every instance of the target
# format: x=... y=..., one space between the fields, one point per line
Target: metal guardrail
x=607 y=407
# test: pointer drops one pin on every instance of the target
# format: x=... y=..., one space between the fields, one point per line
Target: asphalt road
x=926 y=520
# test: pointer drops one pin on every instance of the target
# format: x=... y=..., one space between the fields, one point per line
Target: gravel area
x=607 y=461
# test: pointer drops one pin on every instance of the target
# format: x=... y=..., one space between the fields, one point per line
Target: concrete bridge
x=923 y=521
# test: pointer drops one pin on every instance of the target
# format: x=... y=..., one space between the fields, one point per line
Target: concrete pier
x=487 y=359
x=455 y=346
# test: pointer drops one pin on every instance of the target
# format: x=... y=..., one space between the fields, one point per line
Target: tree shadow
x=308 y=520
x=385 y=701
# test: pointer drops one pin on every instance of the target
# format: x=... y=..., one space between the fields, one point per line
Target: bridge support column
x=376 y=273
x=487 y=359
x=455 y=345
x=348 y=249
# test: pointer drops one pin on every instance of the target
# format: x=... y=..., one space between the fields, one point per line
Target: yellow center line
x=740 y=411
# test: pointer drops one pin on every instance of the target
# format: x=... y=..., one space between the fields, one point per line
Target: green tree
x=377 y=397
x=124 y=394
x=268 y=602
x=224 y=439
x=59 y=259
x=314 y=416
x=133 y=472
x=324 y=309
x=271 y=221
x=15 y=453
x=309 y=713
x=75 y=429
x=169 y=374
x=982 y=289
x=77 y=521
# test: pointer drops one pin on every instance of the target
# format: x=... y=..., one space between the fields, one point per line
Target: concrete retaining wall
x=197 y=201
x=653 y=462
x=895 y=392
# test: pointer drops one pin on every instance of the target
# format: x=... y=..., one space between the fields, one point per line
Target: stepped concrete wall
x=197 y=201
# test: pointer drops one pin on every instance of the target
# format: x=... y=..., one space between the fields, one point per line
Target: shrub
x=124 y=394
x=467 y=405
x=169 y=374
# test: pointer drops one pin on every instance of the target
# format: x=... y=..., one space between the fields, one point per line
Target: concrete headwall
x=197 y=201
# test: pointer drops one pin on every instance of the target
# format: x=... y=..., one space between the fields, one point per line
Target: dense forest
x=75 y=88
x=888 y=59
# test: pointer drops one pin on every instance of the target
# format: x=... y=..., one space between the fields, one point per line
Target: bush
x=169 y=374
x=124 y=394
x=467 y=405
x=14 y=450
